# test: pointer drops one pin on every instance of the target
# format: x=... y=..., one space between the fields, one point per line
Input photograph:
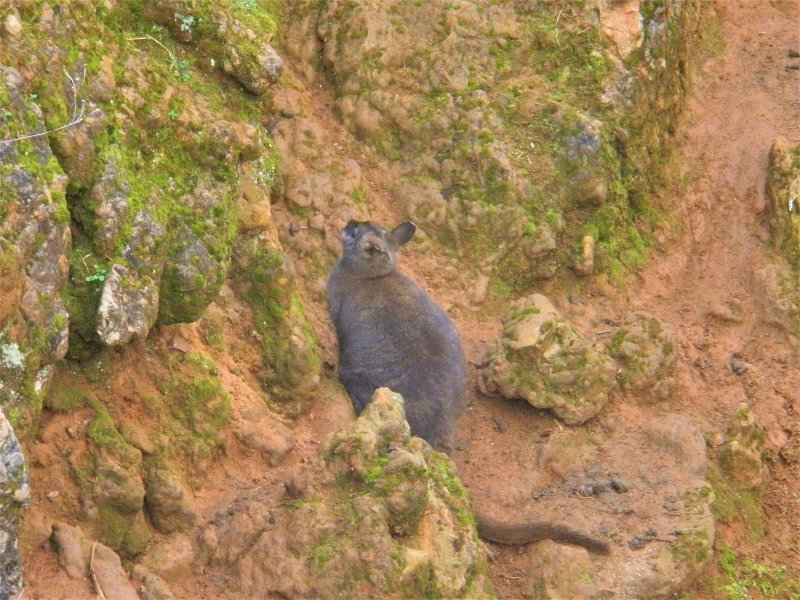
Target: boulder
x=128 y=307
x=646 y=348
x=380 y=515
x=83 y=559
x=541 y=358
x=170 y=503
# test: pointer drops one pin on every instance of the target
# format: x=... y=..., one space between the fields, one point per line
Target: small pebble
x=639 y=541
x=52 y=495
x=738 y=366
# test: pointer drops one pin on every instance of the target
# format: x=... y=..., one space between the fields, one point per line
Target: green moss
x=14 y=416
x=66 y=398
x=457 y=497
x=743 y=577
x=207 y=409
x=111 y=526
x=692 y=546
x=732 y=503
x=278 y=315
x=104 y=433
x=322 y=553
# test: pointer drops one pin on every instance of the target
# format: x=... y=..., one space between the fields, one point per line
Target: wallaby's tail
x=525 y=532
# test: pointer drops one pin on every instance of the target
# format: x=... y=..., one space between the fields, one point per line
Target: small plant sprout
x=98 y=275
x=187 y=22
x=180 y=66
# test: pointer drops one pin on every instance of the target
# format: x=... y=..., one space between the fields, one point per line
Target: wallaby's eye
x=372 y=247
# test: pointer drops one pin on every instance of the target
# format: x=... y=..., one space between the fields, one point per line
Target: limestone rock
x=382 y=516
x=267 y=435
x=170 y=503
x=655 y=510
x=150 y=586
x=14 y=495
x=128 y=307
x=541 y=358
x=646 y=348
x=741 y=456
x=82 y=558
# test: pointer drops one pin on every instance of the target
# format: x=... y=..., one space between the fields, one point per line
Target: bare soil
x=714 y=253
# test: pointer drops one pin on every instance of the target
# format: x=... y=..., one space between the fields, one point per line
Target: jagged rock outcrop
x=34 y=244
x=380 y=514
x=14 y=495
x=234 y=36
x=541 y=358
x=505 y=122
x=153 y=164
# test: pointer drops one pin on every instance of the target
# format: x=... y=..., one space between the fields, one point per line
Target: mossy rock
x=541 y=358
x=783 y=191
x=646 y=349
x=266 y=280
x=379 y=515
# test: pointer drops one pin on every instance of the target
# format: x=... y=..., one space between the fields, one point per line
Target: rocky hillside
x=174 y=178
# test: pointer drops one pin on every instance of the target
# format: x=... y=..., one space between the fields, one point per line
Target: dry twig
x=94 y=577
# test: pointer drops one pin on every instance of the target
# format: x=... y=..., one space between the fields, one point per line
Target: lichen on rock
x=34 y=242
x=14 y=495
x=541 y=358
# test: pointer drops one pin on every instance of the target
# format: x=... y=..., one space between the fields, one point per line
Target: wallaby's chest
x=389 y=309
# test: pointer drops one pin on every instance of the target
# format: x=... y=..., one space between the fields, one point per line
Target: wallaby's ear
x=403 y=233
x=350 y=228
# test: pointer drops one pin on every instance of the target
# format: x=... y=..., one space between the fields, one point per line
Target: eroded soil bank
x=187 y=452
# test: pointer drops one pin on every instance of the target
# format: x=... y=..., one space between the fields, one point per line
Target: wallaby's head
x=370 y=250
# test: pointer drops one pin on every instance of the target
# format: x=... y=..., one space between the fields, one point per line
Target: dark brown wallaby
x=391 y=334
